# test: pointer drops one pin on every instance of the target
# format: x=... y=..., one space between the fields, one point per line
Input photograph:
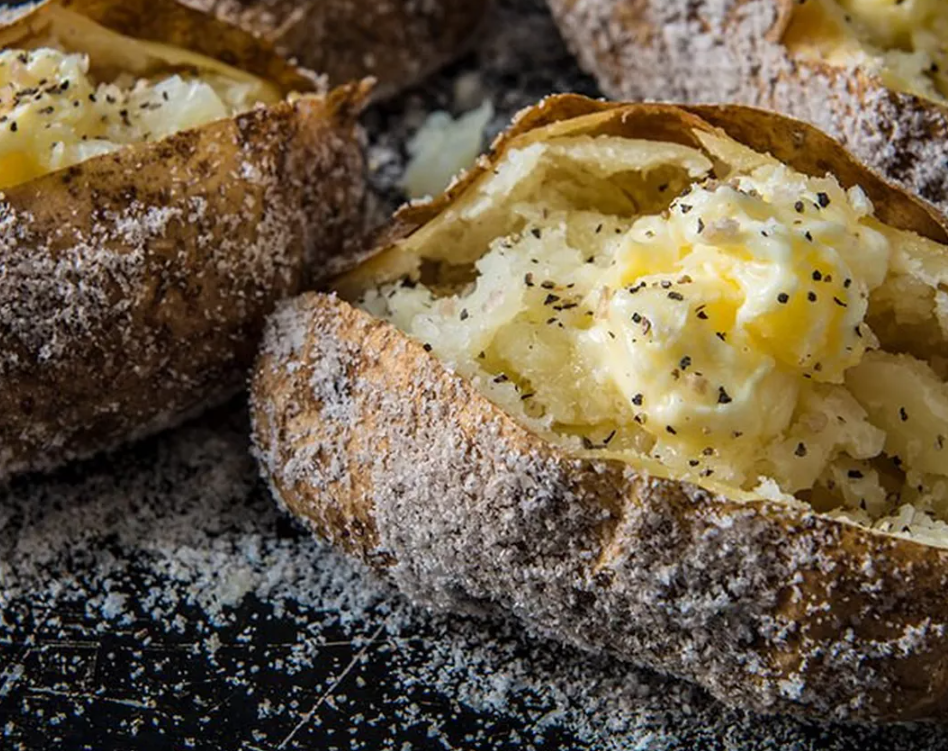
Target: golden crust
x=135 y=284
x=769 y=606
x=398 y=42
x=732 y=51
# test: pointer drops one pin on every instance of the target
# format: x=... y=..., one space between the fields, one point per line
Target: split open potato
x=165 y=180
x=667 y=383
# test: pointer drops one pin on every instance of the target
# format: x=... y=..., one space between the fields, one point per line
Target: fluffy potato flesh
x=709 y=315
x=80 y=90
x=905 y=42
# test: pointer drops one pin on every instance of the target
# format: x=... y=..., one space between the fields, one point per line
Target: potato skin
x=135 y=285
x=730 y=51
x=399 y=42
x=771 y=607
x=775 y=609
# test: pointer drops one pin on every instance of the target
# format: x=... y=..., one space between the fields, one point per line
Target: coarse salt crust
x=719 y=51
x=134 y=284
x=771 y=607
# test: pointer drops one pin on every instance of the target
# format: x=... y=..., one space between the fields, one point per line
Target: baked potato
x=164 y=179
x=398 y=42
x=871 y=73
x=662 y=382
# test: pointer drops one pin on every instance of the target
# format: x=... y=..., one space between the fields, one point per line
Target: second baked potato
x=666 y=383
x=165 y=179
x=398 y=42
x=871 y=73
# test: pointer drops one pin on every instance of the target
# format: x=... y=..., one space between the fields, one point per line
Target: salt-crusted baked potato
x=160 y=189
x=398 y=42
x=872 y=73
x=664 y=382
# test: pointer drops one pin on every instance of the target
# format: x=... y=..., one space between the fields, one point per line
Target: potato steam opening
x=706 y=314
x=71 y=90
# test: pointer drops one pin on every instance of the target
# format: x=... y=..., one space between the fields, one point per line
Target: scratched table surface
x=156 y=599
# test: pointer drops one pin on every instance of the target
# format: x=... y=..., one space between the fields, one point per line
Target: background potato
x=398 y=42
x=134 y=284
x=171 y=22
x=734 y=51
x=771 y=607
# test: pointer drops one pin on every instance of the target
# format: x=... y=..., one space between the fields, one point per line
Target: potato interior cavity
x=747 y=328
x=74 y=90
x=902 y=42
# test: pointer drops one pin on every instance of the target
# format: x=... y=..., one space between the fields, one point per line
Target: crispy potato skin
x=772 y=608
x=398 y=42
x=135 y=285
x=731 y=51
x=396 y=459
